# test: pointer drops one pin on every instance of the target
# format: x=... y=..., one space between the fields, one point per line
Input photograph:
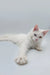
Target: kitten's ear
x=44 y=32
x=36 y=28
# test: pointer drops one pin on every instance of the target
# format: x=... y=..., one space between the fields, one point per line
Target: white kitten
x=25 y=42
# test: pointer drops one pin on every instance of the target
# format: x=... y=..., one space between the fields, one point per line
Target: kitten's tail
x=6 y=37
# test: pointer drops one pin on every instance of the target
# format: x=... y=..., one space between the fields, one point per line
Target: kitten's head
x=38 y=34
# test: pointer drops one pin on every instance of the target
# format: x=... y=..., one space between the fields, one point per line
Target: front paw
x=38 y=49
x=21 y=60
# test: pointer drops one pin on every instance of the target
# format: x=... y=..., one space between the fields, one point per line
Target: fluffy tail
x=5 y=37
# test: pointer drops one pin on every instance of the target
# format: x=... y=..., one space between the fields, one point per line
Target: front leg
x=38 y=48
x=22 y=58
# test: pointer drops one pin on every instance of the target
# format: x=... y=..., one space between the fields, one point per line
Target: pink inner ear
x=44 y=32
x=36 y=28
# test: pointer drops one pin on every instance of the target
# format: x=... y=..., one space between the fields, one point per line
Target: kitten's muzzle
x=36 y=39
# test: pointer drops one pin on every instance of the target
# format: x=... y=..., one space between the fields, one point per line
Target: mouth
x=36 y=39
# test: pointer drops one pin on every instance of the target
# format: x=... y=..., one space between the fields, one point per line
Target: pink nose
x=36 y=39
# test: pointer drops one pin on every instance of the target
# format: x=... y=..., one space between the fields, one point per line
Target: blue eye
x=35 y=34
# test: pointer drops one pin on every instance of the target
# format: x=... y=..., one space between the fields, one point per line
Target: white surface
x=38 y=62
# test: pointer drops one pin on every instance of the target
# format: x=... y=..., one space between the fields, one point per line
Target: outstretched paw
x=21 y=60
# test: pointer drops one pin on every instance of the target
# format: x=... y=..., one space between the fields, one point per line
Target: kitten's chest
x=34 y=44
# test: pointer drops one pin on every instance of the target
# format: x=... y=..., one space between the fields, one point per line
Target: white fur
x=25 y=42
